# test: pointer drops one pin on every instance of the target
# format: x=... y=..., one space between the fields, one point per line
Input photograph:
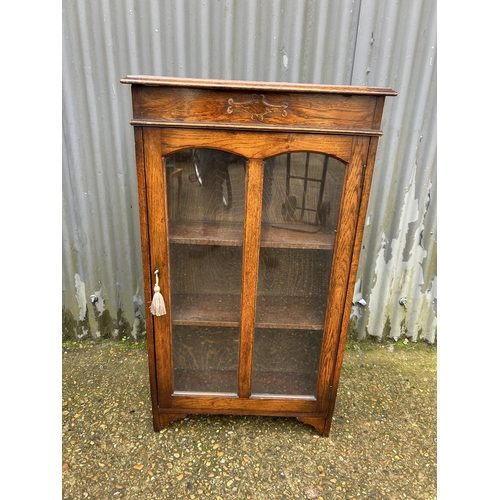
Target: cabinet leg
x=319 y=423
x=165 y=418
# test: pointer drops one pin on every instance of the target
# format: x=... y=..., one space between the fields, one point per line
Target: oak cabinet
x=252 y=203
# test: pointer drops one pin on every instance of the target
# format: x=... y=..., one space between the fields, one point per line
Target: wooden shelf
x=273 y=384
x=206 y=310
x=231 y=234
x=205 y=381
x=206 y=233
x=295 y=313
x=295 y=236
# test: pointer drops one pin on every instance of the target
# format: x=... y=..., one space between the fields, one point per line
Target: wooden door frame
x=156 y=142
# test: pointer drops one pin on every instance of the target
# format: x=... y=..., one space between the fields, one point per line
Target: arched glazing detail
x=300 y=212
x=205 y=200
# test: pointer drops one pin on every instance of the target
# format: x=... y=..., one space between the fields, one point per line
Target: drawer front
x=260 y=109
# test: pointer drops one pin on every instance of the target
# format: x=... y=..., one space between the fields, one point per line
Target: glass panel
x=286 y=361
x=206 y=198
x=301 y=203
x=205 y=359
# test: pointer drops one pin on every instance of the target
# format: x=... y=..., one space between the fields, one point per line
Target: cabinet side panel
x=159 y=259
x=339 y=358
x=146 y=267
x=339 y=277
x=377 y=115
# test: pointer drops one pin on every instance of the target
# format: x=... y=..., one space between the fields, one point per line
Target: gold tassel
x=157 y=307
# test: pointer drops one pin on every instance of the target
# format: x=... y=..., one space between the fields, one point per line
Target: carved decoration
x=257 y=108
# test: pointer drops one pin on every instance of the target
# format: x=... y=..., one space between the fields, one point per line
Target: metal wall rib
x=359 y=42
x=397 y=48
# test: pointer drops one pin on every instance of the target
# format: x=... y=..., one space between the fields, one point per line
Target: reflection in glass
x=205 y=359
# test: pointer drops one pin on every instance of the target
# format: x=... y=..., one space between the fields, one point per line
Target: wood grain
x=339 y=354
x=312 y=112
x=146 y=268
x=253 y=86
x=159 y=259
x=253 y=214
x=259 y=145
x=339 y=278
x=237 y=405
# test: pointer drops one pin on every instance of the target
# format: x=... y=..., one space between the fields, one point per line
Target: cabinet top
x=241 y=105
x=164 y=81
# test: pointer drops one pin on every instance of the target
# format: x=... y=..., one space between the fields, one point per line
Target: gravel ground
x=382 y=443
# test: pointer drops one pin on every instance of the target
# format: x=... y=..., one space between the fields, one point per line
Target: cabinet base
x=319 y=423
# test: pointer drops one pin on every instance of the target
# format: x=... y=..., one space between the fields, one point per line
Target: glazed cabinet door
x=300 y=213
x=244 y=236
x=198 y=212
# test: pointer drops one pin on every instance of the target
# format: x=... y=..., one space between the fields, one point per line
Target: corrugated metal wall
x=361 y=42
